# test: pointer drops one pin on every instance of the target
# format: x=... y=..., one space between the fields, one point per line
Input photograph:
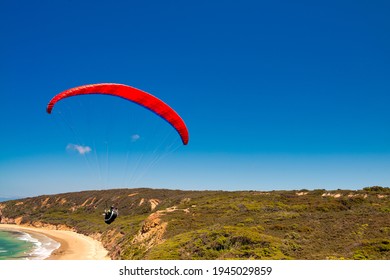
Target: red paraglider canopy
x=132 y=94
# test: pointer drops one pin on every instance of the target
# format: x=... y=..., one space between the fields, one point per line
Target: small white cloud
x=78 y=148
x=135 y=137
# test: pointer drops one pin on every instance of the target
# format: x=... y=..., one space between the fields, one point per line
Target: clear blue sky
x=275 y=94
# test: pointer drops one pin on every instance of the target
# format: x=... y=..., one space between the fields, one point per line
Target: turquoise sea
x=18 y=245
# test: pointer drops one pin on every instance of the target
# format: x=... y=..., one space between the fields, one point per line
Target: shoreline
x=73 y=246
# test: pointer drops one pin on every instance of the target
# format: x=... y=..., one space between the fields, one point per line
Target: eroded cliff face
x=6 y=220
x=1 y=213
x=151 y=232
x=21 y=222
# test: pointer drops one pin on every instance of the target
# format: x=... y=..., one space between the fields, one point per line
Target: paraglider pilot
x=110 y=215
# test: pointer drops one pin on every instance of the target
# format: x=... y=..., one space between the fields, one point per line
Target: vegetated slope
x=174 y=224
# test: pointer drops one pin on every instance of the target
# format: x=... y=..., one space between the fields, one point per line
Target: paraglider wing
x=132 y=94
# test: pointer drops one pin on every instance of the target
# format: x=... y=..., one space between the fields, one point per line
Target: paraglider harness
x=110 y=215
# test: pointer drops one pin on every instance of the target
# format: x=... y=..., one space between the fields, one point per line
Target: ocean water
x=18 y=245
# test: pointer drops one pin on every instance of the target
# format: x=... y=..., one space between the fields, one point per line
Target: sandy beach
x=74 y=246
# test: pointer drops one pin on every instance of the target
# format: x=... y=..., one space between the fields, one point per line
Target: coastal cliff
x=174 y=224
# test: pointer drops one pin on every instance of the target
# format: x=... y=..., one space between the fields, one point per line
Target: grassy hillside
x=174 y=224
